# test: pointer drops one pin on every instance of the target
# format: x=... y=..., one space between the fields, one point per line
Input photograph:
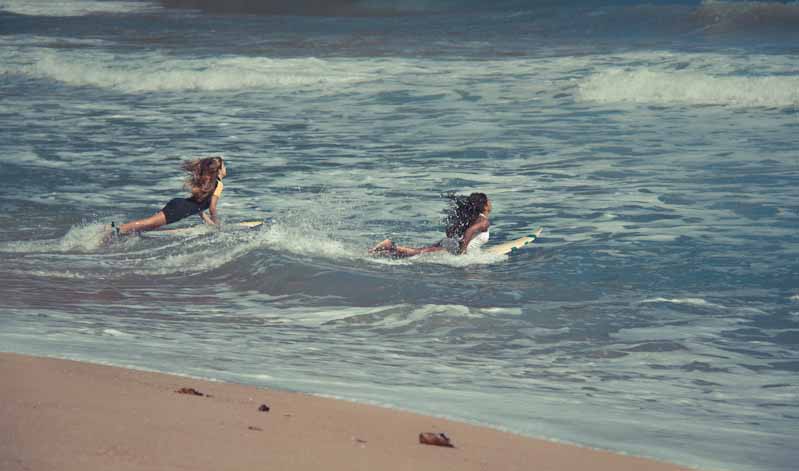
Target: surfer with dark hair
x=204 y=181
x=467 y=226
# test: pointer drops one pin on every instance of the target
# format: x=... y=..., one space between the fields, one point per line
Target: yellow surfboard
x=510 y=246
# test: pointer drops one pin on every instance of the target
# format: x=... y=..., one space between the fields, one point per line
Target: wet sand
x=65 y=415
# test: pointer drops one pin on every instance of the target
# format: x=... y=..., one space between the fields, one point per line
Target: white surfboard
x=510 y=246
x=201 y=228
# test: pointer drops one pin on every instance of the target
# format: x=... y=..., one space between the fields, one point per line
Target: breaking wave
x=161 y=74
x=692 y=88
x=74 y=8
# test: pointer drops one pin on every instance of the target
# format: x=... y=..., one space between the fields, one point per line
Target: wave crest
x=74 y=7
x=725 y=16
x=147 y=74
x=693 y=88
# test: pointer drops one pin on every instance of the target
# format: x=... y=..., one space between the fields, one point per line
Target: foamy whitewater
x=656 y=142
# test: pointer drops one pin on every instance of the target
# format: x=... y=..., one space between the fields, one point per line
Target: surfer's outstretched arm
x=212 y=217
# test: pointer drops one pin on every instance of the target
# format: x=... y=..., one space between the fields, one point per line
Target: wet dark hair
x=462 y=212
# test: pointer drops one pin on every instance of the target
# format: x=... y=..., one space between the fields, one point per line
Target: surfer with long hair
x=204 y=181
x=467 y=224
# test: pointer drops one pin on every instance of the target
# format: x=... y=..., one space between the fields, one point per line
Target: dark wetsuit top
x=181 y=208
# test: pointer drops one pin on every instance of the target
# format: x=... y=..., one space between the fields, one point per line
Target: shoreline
x=69 y=415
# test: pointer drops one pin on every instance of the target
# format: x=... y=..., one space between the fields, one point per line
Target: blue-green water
x=656 y=143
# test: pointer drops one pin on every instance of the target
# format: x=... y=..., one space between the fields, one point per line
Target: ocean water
x=656 y=143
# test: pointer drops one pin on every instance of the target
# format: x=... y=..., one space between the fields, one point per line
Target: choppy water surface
x=658 y=315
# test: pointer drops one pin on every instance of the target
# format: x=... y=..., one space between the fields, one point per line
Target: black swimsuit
x=181 y=208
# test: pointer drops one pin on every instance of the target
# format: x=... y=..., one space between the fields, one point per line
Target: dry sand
x=65 y=415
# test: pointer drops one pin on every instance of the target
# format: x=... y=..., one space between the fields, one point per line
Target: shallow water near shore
x=658 y=315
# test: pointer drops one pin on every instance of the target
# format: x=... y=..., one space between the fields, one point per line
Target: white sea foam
x=154 y=73
x=16 y=44
x=49 y=274
x=33 y=159
x=186 y=255
x=199 y=256
x=648 y=86
x=385 y=316
x=304 y=238
x=116 y=333
x=74 y=7
x=85 y=237
x=255 y=377
x=80 y=238
x=648 y=78
x=404 y=317
x=687 y=301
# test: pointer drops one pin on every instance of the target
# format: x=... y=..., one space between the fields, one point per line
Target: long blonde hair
x=203 y=174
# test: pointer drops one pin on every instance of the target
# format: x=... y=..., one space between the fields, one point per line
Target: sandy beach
x=66 y=415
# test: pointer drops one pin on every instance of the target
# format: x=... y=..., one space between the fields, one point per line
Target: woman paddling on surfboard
x=204 y=182
x=467 y=228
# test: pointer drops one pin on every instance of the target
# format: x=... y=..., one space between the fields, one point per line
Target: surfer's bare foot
x=385 y=246
x=110 y=232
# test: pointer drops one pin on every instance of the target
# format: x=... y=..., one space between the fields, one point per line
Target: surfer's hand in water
x=208 y=219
